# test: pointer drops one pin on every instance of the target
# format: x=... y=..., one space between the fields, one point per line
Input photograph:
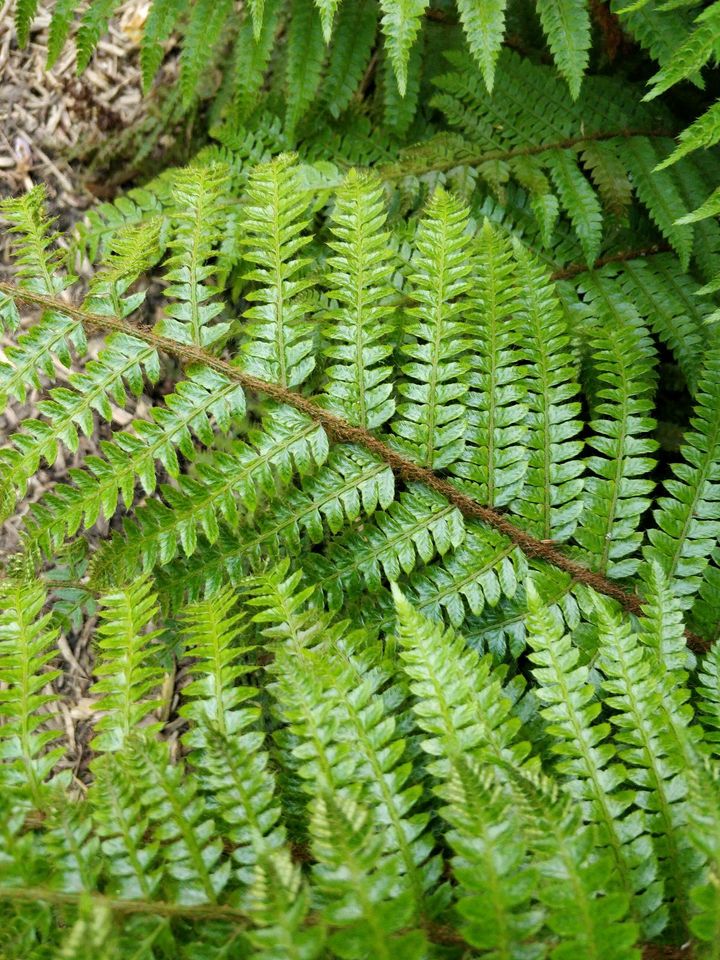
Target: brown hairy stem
x=342 y=431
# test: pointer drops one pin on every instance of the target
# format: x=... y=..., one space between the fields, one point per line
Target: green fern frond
x=430 y=422
x=692 y=55
x=484 y=25
x=242 y=476
x=280 y=904
x=653 y=761
x=550 y=501
x=616 y=496
x=589 y=761
x=358 y=886
x=128 y=669
x=38 y=257
x=212 y=639
x=567 y=26
x=197 y=222
x=492 y=464
x=305 y=59
x=571 y=874
x=350 y=53
x=202 y=36
x=195 y=870
x=413 y=530
x=133 y=863
x=203 y=401
x=708 y=695
x=27 y=645
x=277 y=343
x=93 y=24
x=687 y=519
x=401 y=21
x=360 y=271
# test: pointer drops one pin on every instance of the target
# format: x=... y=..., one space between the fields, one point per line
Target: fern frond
x=238 y=776
x=492 y=463
x=27 y=645
x=161 y=20
x=277 y=343
x=202 y=36
x=416 y=528
x=280 y=903
x=484 y=26
x=401 y=22
x=688 y=519
x=359 y=886
x=305 y=58
x=351 y=484
x=360 y=272
x=460 y=704
x=350 y=53
x=590 y=762
x=129 y=679
x=38 y=257
x=360 y=691
x=667 y=299
x=470 y=580
x=241 y=476
x=580 y=200
x=708 y=695
x=659 y=192
x=193 y=863
x=197 y=222
x=692 y=55
x=132 y=861
x=622 y=360
x=572 y=871
x=567 y=26
x=292 y=624
x=430 y=423
x=497 y=883
x=550 y=501
x=460 y=700
x=212 y=639
x=93 y=24
x=252 y=51
x=25 y=11
x=203 y=401
x=70 y=411
x=653 y=762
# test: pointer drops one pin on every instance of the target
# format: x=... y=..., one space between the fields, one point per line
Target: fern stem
x=404 y=168
x=341 y=430
x=438 y=933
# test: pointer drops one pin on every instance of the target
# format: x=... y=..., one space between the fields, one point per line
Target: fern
x=356 y=688
x=430 y=423
x=27 y=646
x=361 y=268
x=278 y=346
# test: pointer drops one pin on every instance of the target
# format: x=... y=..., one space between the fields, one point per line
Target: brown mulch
x=45 y=115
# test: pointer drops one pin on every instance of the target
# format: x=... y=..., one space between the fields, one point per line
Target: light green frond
x=493 y=461
x=128 y=666
x=277 y=343
x=27 y=645
x=361 y=323
x=430 y=421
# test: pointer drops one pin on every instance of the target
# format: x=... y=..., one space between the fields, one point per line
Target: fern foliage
x=389 y=510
